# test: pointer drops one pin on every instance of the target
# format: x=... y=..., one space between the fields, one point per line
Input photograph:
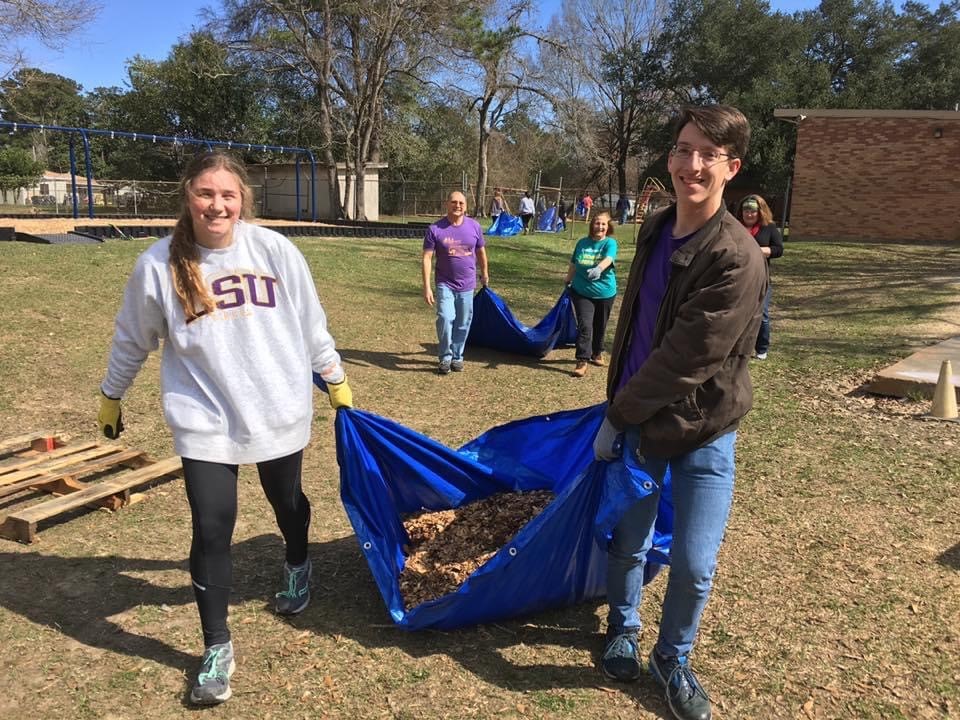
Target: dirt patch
x=447 y=546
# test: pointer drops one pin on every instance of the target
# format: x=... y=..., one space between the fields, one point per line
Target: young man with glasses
x=678 y=385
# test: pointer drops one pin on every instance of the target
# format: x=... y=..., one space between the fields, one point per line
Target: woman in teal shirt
x=592 y=285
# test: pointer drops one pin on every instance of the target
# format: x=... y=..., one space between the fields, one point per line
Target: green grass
x=835 y=583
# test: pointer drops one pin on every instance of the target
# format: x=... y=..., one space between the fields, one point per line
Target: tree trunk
x=480 y=194
x=330 y=163
x=326 y=114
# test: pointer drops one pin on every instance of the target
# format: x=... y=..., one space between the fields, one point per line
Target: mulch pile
x=448 y=545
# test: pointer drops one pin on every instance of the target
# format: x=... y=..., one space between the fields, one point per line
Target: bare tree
x=491 y=38
x=377 y=40
x=607 y=75
x=51 y=22
x=295 y=38
x=345 y=52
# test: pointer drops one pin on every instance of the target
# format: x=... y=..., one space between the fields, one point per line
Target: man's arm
x=484 y=272
x=427 y=287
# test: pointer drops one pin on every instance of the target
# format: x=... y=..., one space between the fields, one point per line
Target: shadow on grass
x=950 y=557
x=426 y=360
x=340 y=571
x=78 y=596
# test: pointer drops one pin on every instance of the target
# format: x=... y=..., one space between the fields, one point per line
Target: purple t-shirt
x=656 y=275
x=456 y=249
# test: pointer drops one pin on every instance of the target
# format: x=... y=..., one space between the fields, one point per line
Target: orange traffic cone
x=944 y=397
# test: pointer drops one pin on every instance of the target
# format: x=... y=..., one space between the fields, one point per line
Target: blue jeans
x=454 y=315
x=702 y=486
x=763 y=337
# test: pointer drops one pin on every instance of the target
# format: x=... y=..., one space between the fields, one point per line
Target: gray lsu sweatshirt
x=236 y=383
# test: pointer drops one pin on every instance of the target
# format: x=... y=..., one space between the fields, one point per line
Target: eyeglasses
x=708 y=157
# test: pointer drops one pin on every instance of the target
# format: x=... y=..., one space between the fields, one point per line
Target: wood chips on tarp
x=446 y=546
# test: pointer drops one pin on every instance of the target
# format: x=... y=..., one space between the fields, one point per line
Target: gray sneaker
x=457 y=365
x=443 y=368
x=295 y=596
x=621 y=658
x=212 y=685
x=685 y=695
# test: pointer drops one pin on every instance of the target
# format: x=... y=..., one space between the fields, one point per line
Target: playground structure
x=651 y=188
x=85 y=133
x=140 y=198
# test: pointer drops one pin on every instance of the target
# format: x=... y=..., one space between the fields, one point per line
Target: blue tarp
x=505 y=224
x=558 y=558
x=549 y=222
x=494 y=326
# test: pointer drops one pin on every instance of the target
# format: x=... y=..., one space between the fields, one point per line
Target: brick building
x=875 y=174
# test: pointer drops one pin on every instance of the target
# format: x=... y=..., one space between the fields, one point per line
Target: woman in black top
x=755 y=215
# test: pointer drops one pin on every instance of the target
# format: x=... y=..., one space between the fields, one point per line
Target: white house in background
x=54 y=188
x=275 y=191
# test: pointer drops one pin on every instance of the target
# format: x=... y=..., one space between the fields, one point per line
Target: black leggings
x=212 y=493
x=592 y=315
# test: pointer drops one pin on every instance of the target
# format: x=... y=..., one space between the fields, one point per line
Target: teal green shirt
x=586 y=254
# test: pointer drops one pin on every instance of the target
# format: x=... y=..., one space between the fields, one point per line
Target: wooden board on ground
x=918 y=373
x=88 y=474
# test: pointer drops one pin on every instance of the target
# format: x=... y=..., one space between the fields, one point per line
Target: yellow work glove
x=111 y=423
x=340 y=394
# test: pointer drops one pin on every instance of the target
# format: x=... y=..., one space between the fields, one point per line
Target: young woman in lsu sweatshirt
x=242 y=325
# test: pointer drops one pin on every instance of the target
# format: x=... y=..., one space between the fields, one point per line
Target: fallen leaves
x=448 y=545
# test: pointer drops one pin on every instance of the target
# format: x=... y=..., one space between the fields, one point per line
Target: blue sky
x=97 y=56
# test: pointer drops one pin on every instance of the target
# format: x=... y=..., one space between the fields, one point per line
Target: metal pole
x=263 y=193
x=86 y=157
x=73 y=180
x=556 y=218
x=296 y=172
x=786 y=208
x=313 y=186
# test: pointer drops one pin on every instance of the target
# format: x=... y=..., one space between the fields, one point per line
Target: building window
x=44 y=188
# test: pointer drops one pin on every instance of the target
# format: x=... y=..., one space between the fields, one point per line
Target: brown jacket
x=695 y=384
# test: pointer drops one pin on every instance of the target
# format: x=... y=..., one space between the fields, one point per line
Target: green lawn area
x=837 y=594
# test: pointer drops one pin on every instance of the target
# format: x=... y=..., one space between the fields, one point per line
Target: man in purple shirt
x=678 y=386
x=457 y=242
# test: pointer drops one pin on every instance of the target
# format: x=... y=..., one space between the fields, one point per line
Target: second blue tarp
x=549 y=222
x=505 y=225
x=494 y=326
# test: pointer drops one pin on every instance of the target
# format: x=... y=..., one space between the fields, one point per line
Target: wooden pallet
x=85 y=474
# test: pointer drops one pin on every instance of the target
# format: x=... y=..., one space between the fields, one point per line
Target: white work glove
x=608 y=444
x=595 y=272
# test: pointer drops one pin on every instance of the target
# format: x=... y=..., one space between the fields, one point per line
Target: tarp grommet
x=367 y=545
x=512 y=551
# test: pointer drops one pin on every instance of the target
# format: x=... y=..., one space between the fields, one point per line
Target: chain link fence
x=418 y=199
